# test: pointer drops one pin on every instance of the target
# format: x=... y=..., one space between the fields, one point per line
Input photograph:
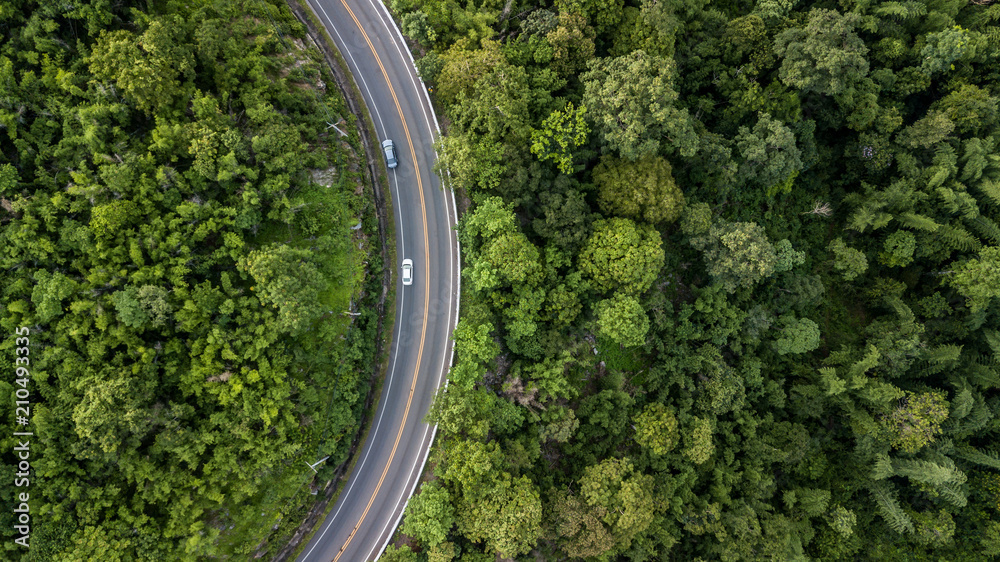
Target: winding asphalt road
x=371 y=505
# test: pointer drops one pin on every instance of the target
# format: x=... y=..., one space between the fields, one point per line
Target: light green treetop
x=561 y=132
x=738 y=254
x=429 y=515
x=641 y=190
x=622 y=320
x=917 y=420
x=656 y=429
x=622 y=256
x=797 y=335
x=631 y=100
x=978 y=279
x=849 y=261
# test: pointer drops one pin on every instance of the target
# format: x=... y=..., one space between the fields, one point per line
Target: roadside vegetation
x=183 y=234
x=732 y=276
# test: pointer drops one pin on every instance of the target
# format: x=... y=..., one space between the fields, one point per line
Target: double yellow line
x=427 y=285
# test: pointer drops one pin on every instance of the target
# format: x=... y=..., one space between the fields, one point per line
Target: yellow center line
x=427 y=285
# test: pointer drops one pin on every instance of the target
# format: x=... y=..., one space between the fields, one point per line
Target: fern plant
x=957 y=238
x=991 y=189
x=986 y=228
x=895 y=517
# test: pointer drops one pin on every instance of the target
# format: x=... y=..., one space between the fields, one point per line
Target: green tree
x=112 y=415
x=622 y=256
x=462 y=412
x=286 y=279
x=926 y=132
x=475 y=348
x=943 y=48
x=632 y=102
x=93 y=543
x=899 y=249
x=443 y=552
x=507 y=518
x=748 y=35
x=130 y=312
x=622 y=320
x=561 y=424
x=737 y=254
x=697 y=220
x=825 y=56
x=562 y=302
x=429 y=515
x=497 y=108
x=934 y=528
x=415 y=26
x=970 y=108
x=620 y=497
x=109 y=219
x=48 y=294
x=491 y=218
x=978 y=279
x=572 y=42
x=917 y=420
x=850 y=262
x=550 y=376
x=429 y=67
x=656 y=429
x=138 y=307
x=492 y=506
x=578 y=528
x=698 y=439
x=842 y=520
x=564 y=219
x=641 y=190
x=787 y=257
x=604 y=13
x=561 y=132
x=148 y=67
x=770 y=156
x=403 y=553
x=797 y=335
x=991 y=539
x=463 y=66
x=509 y=260
x=8 y=178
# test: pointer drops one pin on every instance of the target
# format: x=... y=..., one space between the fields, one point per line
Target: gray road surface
x=392 y=458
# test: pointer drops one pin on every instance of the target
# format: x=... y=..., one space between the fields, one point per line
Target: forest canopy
x=734 y=280
x=175 y=225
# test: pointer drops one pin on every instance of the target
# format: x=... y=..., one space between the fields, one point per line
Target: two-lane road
x=370 y=506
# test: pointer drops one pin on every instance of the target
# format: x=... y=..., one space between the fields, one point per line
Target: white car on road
x=407 y=271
